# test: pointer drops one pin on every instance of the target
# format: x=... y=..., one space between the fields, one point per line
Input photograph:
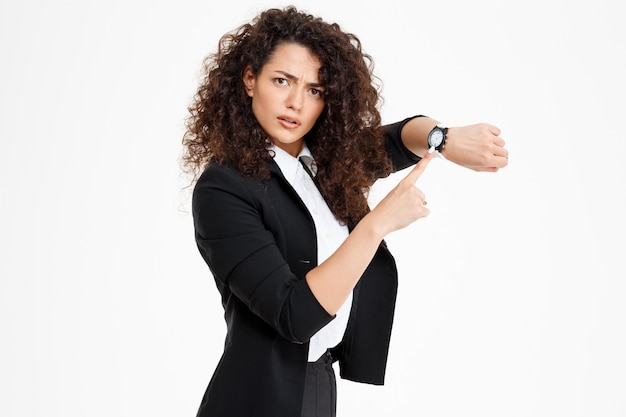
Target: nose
x=295 y=99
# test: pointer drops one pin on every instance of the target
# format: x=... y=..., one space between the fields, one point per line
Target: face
x=287 y=97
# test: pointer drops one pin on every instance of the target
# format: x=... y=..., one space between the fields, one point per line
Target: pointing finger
x=419 y=168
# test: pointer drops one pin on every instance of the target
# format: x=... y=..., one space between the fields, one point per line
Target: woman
x=285 y=139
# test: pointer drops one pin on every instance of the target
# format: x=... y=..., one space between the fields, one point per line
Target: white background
x=512 y=292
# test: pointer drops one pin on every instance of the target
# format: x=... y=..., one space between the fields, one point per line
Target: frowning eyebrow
x=292 y=77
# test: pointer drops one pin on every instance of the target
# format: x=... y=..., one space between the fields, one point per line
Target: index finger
x=419 y=168
x=493 y=129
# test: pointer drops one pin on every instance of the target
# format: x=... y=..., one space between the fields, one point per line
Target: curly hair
x=346 y=141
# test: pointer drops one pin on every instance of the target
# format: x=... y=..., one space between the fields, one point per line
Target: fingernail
x=431 y=150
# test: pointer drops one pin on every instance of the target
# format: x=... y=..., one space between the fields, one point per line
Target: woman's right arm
x=332 y=281
x=245 y=259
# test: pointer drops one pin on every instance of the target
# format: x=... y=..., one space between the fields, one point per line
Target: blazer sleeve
x=401 y=156
x=244 y=257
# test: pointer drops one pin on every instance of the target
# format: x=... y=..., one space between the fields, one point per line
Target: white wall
x=511 y=300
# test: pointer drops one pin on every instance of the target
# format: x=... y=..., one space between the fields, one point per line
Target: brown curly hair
x=346 y=141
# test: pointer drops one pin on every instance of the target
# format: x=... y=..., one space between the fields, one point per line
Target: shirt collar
x=288 y=164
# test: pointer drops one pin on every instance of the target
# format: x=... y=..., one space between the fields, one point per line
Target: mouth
x=289 y=122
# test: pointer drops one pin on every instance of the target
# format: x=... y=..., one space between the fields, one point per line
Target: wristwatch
x=437 y=138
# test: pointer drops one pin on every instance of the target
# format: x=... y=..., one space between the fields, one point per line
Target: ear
x=248 y=81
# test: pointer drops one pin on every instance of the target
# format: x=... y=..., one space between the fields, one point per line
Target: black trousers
x=320 y=389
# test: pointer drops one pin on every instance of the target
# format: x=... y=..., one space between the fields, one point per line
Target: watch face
x=436 y=138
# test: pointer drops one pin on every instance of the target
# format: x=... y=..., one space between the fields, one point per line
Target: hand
x=478 y=147
x=404 y=204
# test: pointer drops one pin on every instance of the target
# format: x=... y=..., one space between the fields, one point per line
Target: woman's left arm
x=478 y=147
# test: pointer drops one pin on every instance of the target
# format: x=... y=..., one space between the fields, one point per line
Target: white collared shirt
x=330 y=235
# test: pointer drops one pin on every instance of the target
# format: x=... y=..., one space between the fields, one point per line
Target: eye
x=317 y=93
x=281 y=81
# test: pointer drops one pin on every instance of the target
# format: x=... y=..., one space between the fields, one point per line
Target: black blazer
x=259 y=242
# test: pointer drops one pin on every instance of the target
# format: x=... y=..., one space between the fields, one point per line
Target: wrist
x=371 y=227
